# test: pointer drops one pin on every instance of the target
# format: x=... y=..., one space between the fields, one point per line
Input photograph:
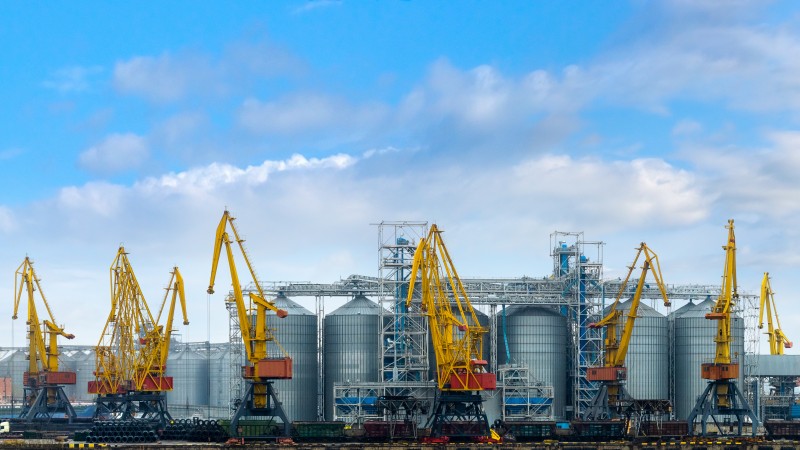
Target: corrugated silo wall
x=352 y=349
x=222 y=369
x=647 y=359
x=188 y=368
x=12 y=365
x=297 y=334
x=694 y=345
x=537 y=337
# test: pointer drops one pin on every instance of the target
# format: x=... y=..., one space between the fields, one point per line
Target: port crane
x=260 y=399
x=721 y=396
x=777 y=339
x=43 y=382
x=131 y=356
x=781 y=387
x=457 y=340
x=612 y=399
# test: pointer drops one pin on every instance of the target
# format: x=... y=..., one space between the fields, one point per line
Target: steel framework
x=576 y=287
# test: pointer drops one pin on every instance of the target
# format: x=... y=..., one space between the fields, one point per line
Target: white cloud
x=7 y=221
x=206 y=179
x=98 y=198
x=180 y=126
x=10 y=153
x=172 y=77
x=314 y=5
x=302 y=113
x=163 y=78
x=72 y=79
x=115 y=153
x=687 y=127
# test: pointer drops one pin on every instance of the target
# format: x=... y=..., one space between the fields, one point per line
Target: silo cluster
x=663 y=352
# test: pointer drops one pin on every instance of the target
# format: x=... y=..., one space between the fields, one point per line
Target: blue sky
x=501 y=121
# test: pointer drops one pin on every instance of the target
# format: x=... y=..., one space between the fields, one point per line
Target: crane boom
x=777 y=339
x=617 y=347
x=723 y=368
x=175 y=286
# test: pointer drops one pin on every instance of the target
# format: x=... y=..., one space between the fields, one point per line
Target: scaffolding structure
x=235 y=383
x=578 y=265
x=523 y=398
x=404 y=338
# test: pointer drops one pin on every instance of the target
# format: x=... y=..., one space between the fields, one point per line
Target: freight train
x=381 y=431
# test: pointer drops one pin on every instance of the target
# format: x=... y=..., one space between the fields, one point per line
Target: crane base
x=605 y=407
x=459 y=416
x=45 y=402
x=708 y=406
x=273 y=410
x=145 y=406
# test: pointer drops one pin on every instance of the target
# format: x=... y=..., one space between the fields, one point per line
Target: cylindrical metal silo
x=12 y=365
x=648 y=353
x=536 y=336
x=352 y=347
x=694 y=345
x=221 y=368
x=84 y=373
x=189 y=371
x=297 y=334
x=66 y=363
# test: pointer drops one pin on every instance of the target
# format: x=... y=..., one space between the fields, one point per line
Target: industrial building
x=540 y=343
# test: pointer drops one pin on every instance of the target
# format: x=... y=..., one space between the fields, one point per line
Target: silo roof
x=292 y=307
x=643 y=311
x=530 y=310
x=680 y=311
x=700 y=310
x=358 y=305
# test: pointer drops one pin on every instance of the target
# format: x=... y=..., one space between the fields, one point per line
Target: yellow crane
x=259 y=399
x=131 y=356
x=44 y=396
x=612 y=396
x=721 y=396
x=782 y=387
x=777 y=339
x=457 y=340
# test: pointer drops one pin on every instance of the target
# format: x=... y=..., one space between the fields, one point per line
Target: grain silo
x=222 y=370
x=84 y=361
x=352 y=347
x=190 y=381
x=647 y=359
x=297 y=334
x=12 y=365
x=693 y=344
x=537 y=337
